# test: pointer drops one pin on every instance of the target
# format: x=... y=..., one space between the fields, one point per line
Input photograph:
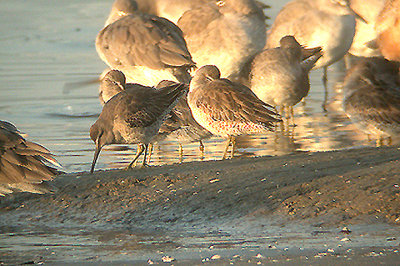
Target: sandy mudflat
x=286 y=208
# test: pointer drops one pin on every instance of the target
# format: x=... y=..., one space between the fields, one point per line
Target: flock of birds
x=196 y=68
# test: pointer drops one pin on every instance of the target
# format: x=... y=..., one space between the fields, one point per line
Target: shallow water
x=44 y=47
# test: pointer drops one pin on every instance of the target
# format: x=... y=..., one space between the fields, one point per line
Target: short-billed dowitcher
x=179 y=124
x=134 y=116
x=372 y=97
x=146 y=48
x=226 y=108
x=226 y=36
x=279 y=76
x=22 y=163
x=329 y=24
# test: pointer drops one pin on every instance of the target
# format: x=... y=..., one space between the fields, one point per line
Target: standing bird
x=226 y=34
x=179 y=124
x=372 y=97
x=279 y=76
x=22 y=163
x=388 y=28
x=134 y=116
x=145 y=47
x=329 y=24
x=112 y=83
x=226 y=108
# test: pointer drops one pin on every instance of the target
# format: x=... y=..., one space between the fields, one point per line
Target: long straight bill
x=96 y=155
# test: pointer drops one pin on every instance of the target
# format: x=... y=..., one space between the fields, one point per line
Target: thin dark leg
x=150 y=153
x=146 y=148
x=201 y=148
x=325 y=83
x=233 y=141
x=180 y=153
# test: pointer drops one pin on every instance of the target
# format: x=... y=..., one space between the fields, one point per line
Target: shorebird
x=145 y=47
x=226 y=34
x=279 y=76
x=134 y=116
x=112 y=83
x=226 y=108
x=388 y=27
x=179 y=125
x=372 y=97
x=329 y=24
x=365 y=32
x=22 y=163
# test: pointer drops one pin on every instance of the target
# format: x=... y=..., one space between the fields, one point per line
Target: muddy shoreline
x=297 y=198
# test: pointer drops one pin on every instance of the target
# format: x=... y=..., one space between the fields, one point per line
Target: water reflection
x=41 y=53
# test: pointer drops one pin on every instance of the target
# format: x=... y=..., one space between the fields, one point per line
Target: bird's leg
x=201 y=148
x=287 y=119
x=292 y=115
x=389 y=142
x=233 y=141
x=281 y=112
x=138 y=153
x=150 y=152
x=292 y=124
x=325 y=83
x=287 y=111
x=180 y=153
x=228 y=142
x=379 y=141
x=146 y=148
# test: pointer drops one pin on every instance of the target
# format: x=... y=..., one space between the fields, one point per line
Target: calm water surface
x=44 y=45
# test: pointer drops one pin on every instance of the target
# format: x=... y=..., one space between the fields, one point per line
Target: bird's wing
x=224 y=100
x=143 y=40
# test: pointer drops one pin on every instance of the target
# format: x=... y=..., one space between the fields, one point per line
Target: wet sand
x=287 y=208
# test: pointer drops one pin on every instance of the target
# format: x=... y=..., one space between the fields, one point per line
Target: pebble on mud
x=167 y=259
x=216 y=257
x=345 y=230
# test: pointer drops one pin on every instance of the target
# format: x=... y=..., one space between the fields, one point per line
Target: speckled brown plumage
x=372 y=97
x=134 y=116
x=22 y=163
x=227 y=108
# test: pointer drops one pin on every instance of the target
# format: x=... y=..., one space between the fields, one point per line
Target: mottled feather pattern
x=372 y=96
x=142 y=39
x=22 y=163
x=145 y=109
x=237 y=109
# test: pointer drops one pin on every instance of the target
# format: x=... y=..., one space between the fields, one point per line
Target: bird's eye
x=220 y=3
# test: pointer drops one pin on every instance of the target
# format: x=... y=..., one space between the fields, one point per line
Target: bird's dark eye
x=220 y=3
